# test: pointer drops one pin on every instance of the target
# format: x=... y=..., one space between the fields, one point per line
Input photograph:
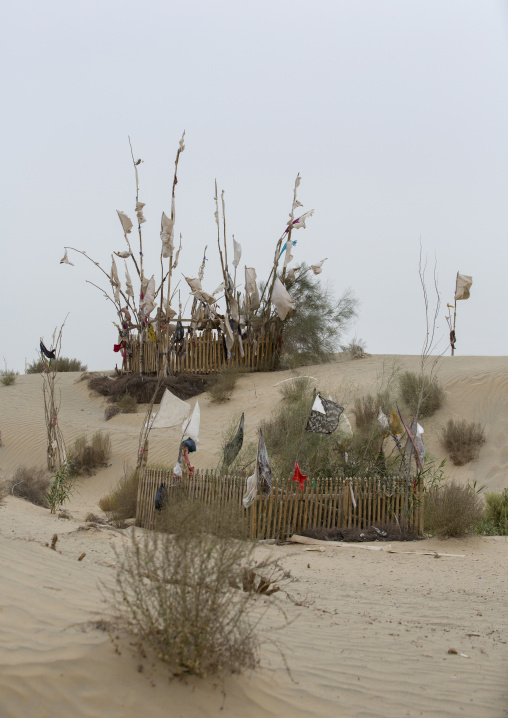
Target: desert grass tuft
x=62 y=364
x=496 y=513
x=120 y=503
x=86 y=457
x=127 y=404
x=463 y=440
x=7 y=377
x=111 y=411
x=223 y=385
x=452 y=510
x=30 y=483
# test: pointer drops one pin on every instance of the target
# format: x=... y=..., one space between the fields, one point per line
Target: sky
x=395 y=114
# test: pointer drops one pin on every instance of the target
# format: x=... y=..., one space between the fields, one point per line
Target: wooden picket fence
x=203 y=353
x=327 y=502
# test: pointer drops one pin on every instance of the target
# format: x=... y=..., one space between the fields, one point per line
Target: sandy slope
x=372 y=638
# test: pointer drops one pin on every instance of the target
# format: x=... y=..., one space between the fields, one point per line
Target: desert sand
x=371 y=636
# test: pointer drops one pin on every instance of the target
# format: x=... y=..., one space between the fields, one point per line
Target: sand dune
x=372 y=637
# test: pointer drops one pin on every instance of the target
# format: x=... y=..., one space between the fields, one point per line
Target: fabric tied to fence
x=324 y=416
x=261 y=479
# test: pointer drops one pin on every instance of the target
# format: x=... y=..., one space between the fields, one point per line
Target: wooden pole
x=455 y=314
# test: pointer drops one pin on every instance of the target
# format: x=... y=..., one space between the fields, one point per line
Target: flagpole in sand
x=454 y=316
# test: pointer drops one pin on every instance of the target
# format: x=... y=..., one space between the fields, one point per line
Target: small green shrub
x=30 y=483
x=63 y=364
x=452 y=509
x=463 y=440
x=223 y=385
x=85 y=457
x=120 y=503
x=410 y=388
x=127 y=404
x=60 y=488
x=496 y=513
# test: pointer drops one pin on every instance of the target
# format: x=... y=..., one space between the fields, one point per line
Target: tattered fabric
x=281 y=299
x=326 y=423
x=233 y=447
x=47 y=353
x=463 y=285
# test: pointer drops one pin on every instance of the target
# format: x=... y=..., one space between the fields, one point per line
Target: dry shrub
x=62 y=364
x=223 y=385
x=462 y=440
x=7 y=377
x=355 y=349
x=452 y=509
x=86 y=457
x=111 y=411
x=224 y=520
x=177 y=594
x=142 y=387
x=120 y=503
x=410 y=388
x=30 y=483
x=127 y=404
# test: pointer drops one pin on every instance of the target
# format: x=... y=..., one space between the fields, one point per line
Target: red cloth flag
x=298 y=476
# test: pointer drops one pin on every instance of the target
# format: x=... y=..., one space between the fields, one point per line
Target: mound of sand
x=370 y=631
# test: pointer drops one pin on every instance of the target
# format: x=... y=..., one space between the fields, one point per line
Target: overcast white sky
x=395 y=112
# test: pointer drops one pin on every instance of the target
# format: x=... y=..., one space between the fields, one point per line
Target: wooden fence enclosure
x=202 y=353
x=329 y=503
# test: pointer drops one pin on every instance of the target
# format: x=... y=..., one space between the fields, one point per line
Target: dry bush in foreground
x=410 y=387
x=86 y=457
x=462 y=440
x=452 y=510
x=177 y=595
x=30 y=483
x=120 y=503
x=223 y=385
x=366 y=409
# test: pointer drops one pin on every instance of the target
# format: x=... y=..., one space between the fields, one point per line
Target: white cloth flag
x=172 y=411
x=237 y=253
x=194 y=284
x=65 y=259
x=115 y=282
x=464 y=282
x=148 y=302
x=281 y=299
x=167 y=234
x=318 y=405
x=125 y=221
x=123 y=255
x=128 y=282
x=318 y=268
x=190 y=427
